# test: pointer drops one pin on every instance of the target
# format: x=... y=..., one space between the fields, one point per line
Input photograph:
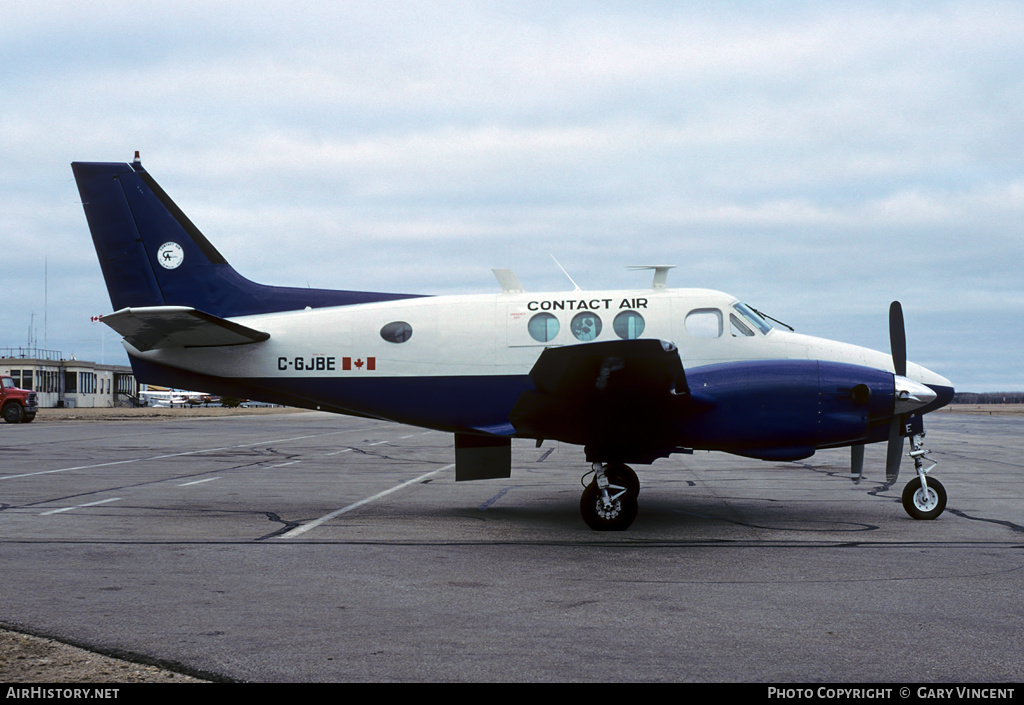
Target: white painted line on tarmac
x=198 y=482
x=299 y=530
x=169 y=455
x=79 y=506
x=79 y=467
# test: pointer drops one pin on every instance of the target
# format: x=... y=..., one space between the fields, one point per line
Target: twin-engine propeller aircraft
x=632 y=376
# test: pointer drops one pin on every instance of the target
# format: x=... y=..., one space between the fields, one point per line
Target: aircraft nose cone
x=941 y=387
x=943 y=394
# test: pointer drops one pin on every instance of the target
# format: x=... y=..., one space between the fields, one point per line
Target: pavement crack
x=1008 y=524
x=286 y=526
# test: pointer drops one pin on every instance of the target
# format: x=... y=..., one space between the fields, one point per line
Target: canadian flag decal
x=370 y=363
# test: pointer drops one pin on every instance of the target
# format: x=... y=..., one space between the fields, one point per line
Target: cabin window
x=704 y=323
x=543 y=327
x=628 y=325
x=585 y=326
x=737 y=328
x=396 y=332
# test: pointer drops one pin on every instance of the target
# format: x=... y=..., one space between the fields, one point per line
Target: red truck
x=16 y=405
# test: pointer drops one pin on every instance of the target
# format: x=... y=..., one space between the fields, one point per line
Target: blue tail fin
x=153 y=255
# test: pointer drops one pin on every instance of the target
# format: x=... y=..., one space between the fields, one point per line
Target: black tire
x=619 y=518
x=920 y=506
x=13 y=413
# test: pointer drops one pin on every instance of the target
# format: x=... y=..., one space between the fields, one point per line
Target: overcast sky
x=815 y=159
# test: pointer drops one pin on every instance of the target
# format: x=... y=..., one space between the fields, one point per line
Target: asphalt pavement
x=311 y=547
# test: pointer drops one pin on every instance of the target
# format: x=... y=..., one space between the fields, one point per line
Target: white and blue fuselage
x=459 y=363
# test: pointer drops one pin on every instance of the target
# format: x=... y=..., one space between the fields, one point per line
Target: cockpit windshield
x=756 y=319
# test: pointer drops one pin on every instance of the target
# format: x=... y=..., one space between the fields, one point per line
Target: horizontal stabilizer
x=153 y=327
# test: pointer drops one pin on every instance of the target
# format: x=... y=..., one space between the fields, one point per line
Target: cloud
x=823 y=159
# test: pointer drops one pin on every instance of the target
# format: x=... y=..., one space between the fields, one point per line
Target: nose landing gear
x=609 y=502
x=923 y=498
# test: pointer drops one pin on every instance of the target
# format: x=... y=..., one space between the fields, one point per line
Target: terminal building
x=60 y=383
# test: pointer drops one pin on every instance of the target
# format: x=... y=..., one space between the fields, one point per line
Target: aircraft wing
x=618 y=398
x=154 y=327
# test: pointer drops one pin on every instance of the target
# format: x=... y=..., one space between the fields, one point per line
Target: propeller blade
x=898 y=338
x=856 y=463
x=898 y=345
x=894 y=451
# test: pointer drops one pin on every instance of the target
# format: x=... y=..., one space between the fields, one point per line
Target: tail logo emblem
x=170 y=255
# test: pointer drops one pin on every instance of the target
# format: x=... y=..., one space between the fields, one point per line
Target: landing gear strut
x=923 y=498
x=609 y=503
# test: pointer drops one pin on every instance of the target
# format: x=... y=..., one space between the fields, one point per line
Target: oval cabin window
x=396 y=332
x=543 y=327
x=628 y=325
x=585 y=326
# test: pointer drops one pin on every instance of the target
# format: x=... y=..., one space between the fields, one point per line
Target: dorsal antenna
x=575 y=286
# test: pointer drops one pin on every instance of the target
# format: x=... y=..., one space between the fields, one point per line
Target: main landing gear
x=609 y=502
x=923 y=498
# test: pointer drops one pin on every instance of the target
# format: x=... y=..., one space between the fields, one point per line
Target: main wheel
x=617 y=517
x=13 y=413
x=922 y=504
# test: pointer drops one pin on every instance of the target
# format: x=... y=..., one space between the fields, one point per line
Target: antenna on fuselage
x=508 y=280
x=660 y=273
x=576 y=287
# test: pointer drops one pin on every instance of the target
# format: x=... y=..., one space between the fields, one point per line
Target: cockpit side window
x=704 y=323
x=755 y=319
x=737 y=328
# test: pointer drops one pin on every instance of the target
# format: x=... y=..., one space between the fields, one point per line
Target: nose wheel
x=609 y=502
x=924 y=501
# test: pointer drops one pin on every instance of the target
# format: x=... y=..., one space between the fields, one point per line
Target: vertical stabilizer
x=153 y=255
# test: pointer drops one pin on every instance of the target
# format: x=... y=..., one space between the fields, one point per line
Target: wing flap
x=153 y=327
